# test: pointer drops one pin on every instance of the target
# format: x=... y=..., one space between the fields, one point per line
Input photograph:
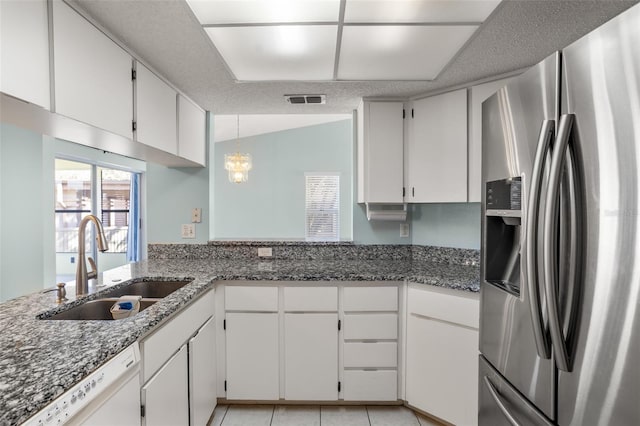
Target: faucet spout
x=82 y=276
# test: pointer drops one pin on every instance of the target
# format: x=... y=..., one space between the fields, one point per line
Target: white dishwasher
x=110 y=395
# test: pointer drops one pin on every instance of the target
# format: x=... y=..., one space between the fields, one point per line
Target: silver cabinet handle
x=549 y=247
x=498 y=400
x=531 y=244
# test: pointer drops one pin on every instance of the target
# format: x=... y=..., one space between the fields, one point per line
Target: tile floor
x=296 y=415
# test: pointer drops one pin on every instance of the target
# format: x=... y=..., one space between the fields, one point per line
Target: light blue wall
x=21 y=220
x=171 y=195
x=271 y=205
x=447 y=225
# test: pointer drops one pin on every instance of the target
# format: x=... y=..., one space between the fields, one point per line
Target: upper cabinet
x=92 y=74
x=24 y=57
x=192 y=129
x=156 y=111
x=380 y=152
x=437 y=149
x=477 y=95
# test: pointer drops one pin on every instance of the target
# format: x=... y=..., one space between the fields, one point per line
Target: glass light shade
x=238 y=166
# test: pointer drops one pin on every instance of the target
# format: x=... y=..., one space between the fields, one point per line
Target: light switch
x=404 y=230
x=188 y=230
x=196 y=215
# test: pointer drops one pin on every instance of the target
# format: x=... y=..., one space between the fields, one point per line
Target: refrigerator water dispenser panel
x=503 y=226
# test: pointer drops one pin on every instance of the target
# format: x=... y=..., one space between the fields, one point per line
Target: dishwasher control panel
x=82 y=394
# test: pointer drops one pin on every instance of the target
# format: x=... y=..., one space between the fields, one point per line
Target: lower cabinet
x=202 y=373
x=178 y=368
x=311 y=356
x=166 y=395
x=252 y=341
x=442 y=354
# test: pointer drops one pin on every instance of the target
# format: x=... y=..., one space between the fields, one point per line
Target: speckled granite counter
x=40 y=359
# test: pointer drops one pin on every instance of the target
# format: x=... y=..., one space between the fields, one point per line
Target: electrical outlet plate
x=196 y=215
x=188 y=230
x=404 y=229
x=265 y=251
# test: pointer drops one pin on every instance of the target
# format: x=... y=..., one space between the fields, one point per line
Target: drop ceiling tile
x=437 y=11
x=291 y=52
x=399 y=52
x=264 y=11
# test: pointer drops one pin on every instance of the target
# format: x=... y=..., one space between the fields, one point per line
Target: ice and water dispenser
x=503 y=233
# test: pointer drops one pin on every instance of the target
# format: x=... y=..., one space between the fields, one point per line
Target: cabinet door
x=202 y=374
x=166 y=395
x=191 y=131
x=380 y=152
x=438 y=149
x=442 y=369
x=311 y=357
x=156 y=113
x=92 y=74
x=24 y=57
x=477 y=95
x=252 y=342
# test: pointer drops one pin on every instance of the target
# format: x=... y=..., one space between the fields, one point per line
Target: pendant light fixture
x=238 y=164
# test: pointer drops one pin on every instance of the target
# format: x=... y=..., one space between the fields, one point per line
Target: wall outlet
x=265 y=252
x=196 y=215
x=404 y=230
x=188 y=230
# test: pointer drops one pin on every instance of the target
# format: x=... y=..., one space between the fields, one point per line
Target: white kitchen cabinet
x=252 y=349
x=166 y=395
x=380 y=152
x=192 y=126
x=92 y=74
x=311 y=356
x=24 y=57
x=156 y=111
x=442 y=354
x=202 y=374
x=437 y=149
x=477 y=95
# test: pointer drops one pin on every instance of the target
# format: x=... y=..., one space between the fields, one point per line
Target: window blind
x=322 y=206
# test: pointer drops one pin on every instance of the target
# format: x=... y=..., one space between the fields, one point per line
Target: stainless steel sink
x=148 y=289
x=95 y=310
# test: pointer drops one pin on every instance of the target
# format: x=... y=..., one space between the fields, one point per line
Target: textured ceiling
x=166 y=35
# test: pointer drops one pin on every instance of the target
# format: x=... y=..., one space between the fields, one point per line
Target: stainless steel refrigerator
x=560 y=288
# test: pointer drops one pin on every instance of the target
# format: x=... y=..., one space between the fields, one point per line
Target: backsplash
x=299 y=250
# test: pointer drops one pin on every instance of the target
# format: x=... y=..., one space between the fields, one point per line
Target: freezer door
x=601 y=87
x=513 y=121
x=501 y=404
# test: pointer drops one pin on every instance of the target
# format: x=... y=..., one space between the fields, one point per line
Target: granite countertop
x=41 y=359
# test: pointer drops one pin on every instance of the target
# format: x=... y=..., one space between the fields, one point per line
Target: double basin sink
x=99 y=309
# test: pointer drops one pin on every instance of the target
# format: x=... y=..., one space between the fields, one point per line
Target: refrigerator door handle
x=498 y=400
x=549 y=248
x=531 y=248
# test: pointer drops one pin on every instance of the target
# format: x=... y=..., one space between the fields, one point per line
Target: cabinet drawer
x=371 y=298
x=371 y=354
x=371 y=326
x=370 y=385
x=251 y=298
x=158 y=347
x=310 y=299
x=453 y=306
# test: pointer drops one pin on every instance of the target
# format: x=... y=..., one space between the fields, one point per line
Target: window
x=322 y=206
x=82 y=189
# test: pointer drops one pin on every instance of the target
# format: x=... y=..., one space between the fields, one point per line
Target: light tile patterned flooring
x=296 y=415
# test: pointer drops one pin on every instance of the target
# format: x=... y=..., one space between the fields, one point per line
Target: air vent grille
x=305 y=99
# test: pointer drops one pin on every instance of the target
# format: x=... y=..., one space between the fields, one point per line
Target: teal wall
x=447 y=225
x=271 y=205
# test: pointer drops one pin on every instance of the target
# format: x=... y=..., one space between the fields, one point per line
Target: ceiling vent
x=305 y=99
